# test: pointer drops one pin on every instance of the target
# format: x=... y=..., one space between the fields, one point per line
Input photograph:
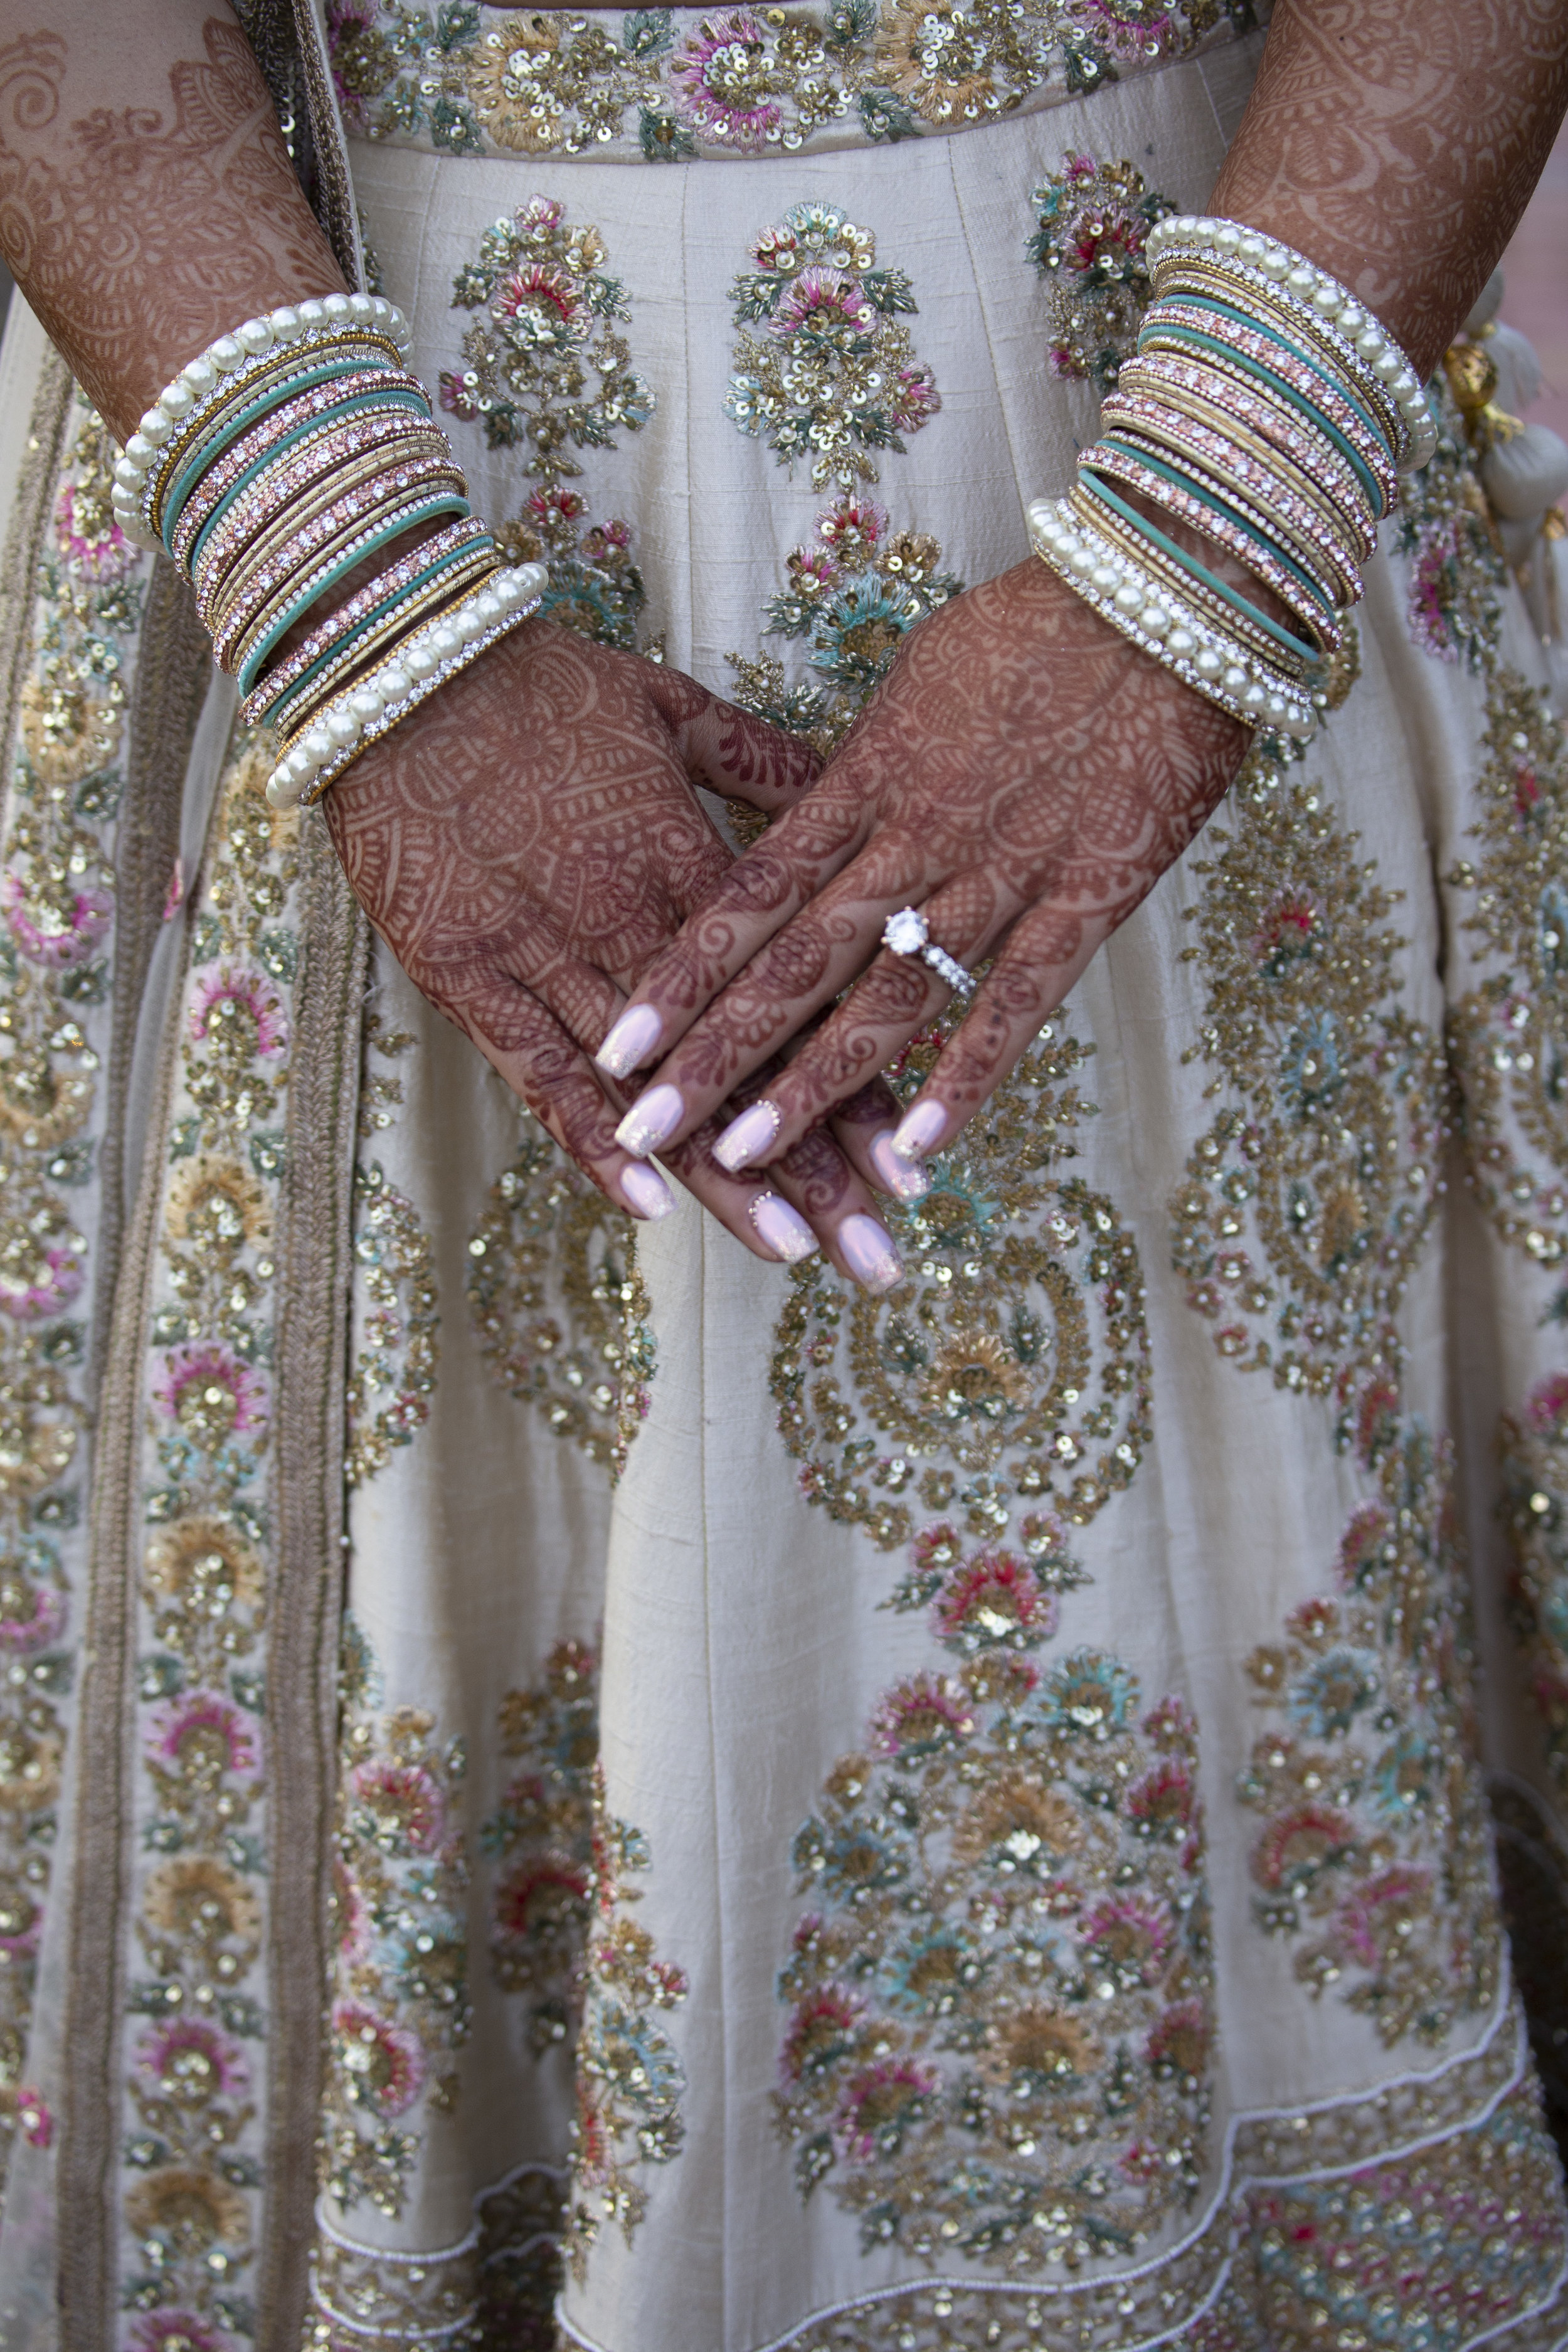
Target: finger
x=731 y=749
x=813 y=1199
x=1044 y=958
x=800 y=970
x=521 y=1039
x=759 y=894
x=864 y=1128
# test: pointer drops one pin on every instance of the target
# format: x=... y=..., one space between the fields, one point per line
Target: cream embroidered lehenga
x=793 y=1819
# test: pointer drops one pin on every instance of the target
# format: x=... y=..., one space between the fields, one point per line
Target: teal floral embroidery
x=1000 y=2002
x=1094 y=222
x=832 y=375
x=1372 y=1860
x=853 y=596
x=1456 y=569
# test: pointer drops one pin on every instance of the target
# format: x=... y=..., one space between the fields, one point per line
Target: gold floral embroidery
x=853 y=595
x=57 y=908
x=1094 y=220
x=832 y=375
x=1001 y=2003
x=1453 y=610
x=1373 y=1855
x=558 y=1303
x=1005 y=1381
x=541 y=1840
x=551 y=309
x=400 y=2003
x=629 y=2078
x=397 y=1351
x=1307 y=1200
x=1509 y=1027
x=738 y=80
x=193 y=2075
x=494 y=2291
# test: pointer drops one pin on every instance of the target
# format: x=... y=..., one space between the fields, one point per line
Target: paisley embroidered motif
x=853 y=595
x=1001 y=2001
x=670 y=85
x=1453 y=610
x=1372 y=1860
x=1308 y=1200
x=832 y=375
x=397 y=1351
x=1003 y=1387
x=1094 y=220
x=558 y=1304
x=400 y=2007
x=1509 y=1029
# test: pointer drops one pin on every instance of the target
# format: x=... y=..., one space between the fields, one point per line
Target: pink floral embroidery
x=234 y=1001
x=58 y=928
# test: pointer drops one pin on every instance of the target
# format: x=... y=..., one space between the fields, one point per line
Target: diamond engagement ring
x=909 y=934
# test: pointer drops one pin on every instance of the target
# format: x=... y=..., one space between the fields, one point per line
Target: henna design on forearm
x=140 y=231
x=1397 y=141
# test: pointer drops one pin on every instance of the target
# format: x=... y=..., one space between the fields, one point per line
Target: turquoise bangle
x=1261 y=375
x=1308 y=655
x=209 y=451
x=449 y=502
x=276 y=714
x=394 y=397
x=1188 y=482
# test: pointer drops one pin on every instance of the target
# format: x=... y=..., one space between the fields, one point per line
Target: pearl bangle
x=413 y=671
x=229 y=357
x=1164 y=626
x=1315 y=290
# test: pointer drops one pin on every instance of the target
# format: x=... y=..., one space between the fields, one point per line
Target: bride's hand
x=1023 y=777
x=525 y=842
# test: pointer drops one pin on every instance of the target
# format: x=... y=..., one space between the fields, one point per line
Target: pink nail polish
x=747 y=1137
x=647 y=1192
x=651 y=1120
x=869 y=1250
x=631 y=1040
x=778 y=1228
x=901 y=1178
x=920 y=1130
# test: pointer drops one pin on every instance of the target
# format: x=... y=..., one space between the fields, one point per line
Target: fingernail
x=631 y=1040
x=646 y=1191
x=778 y=1228
x=747 y=1137
x=904 y=1181
x=869 y=1254
x=917 y=1132
x=651 y=1120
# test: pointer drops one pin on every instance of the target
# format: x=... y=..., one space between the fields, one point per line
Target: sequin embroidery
x=1001 y=2001
x=853 y=596
x=831 y=376
x=1094 y=220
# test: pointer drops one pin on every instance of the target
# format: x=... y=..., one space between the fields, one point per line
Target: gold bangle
x=298 y=709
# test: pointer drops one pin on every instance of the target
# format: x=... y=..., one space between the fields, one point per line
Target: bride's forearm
x=147 y=201
x=1396 y=142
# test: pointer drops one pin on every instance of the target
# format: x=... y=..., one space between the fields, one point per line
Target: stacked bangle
x=276 y=464
x=1267 y=410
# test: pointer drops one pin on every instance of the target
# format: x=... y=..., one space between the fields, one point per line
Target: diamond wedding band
x=909 y=934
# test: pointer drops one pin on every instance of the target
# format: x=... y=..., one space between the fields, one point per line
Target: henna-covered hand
x=1024 y=777
x=526 y=841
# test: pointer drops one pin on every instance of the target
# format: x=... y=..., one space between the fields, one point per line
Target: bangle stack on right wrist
x=1266 y=410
